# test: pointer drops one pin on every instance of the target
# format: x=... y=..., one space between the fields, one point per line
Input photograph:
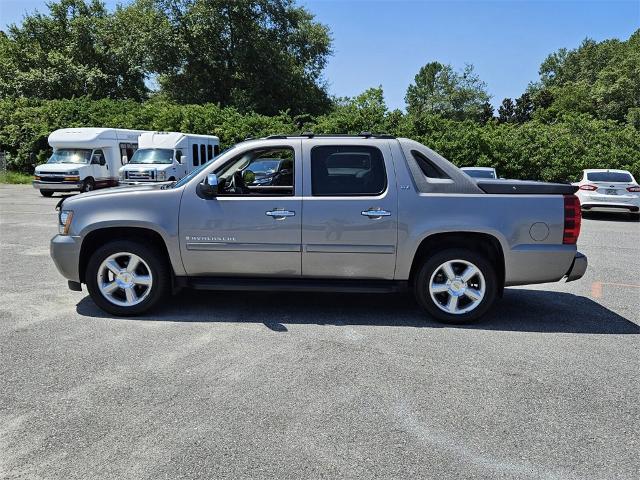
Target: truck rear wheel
x=46 y=193
x=456 y=285
x=127 y=278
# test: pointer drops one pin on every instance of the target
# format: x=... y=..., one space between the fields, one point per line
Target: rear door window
x=194 y=154
x=203 y=153
x=347 y=170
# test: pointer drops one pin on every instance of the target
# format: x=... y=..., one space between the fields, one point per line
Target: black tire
x=155 y=259
x=46 y=193
x=433 y=263
x=88 y=185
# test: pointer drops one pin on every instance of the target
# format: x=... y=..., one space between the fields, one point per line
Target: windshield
x=609 y=177
x=153 y=155
x=480 y=173
x=65 y=155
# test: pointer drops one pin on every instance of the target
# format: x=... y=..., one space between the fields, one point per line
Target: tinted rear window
x=480 y=173
x=609 y=177
x=429 y=168
x=347 y=170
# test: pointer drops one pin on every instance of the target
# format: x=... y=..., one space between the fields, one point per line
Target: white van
x=84 y=159
x=168 y=156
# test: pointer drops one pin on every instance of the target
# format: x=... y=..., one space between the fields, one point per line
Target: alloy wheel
x=457 y=286
x=124 y=279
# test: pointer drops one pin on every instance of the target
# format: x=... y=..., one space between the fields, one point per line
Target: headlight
x=121 y=175
x=65 y=222
x=72 y=172
x=162 y=175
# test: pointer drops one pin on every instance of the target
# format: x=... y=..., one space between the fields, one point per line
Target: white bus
x=85 y=158
x=168 y=156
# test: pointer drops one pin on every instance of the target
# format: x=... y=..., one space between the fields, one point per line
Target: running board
x=294 y=285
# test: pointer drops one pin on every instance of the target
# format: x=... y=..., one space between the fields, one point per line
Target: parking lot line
x=596 y=287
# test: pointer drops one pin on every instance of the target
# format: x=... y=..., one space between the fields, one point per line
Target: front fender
x=153 y=209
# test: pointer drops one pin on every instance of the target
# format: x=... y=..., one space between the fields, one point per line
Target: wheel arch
x=480 y=242
x=100 y=236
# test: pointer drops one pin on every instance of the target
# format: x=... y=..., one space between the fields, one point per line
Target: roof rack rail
x=329 y=135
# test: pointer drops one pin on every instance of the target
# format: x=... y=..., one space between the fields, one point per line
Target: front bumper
x=577 y=268
x=57 y=186
x=65 y=252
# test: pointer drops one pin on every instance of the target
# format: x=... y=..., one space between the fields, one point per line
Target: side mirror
x=209 y=188
x=103 y=162
x=179 y=156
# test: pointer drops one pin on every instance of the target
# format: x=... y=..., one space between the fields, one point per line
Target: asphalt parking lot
x=242 y=385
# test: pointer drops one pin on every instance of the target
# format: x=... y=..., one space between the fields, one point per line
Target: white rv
x=168 y=156
x=84 y=159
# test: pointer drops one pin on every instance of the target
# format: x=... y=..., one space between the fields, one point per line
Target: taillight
x=572 y=220
x=591 y=188
x=633 y=189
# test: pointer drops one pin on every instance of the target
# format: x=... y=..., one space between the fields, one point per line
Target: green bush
x=15 y=177
x=553 y=149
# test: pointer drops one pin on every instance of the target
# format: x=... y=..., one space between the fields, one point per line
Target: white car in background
x=608 y=191
x=480 y=172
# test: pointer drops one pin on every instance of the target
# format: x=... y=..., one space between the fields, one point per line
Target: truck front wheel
x=456 y=285
x=127 y=278
x=88 y=185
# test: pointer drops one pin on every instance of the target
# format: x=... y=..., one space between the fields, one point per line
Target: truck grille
x=140 y=175
x=51 y=176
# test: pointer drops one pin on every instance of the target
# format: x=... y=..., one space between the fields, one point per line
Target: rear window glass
x=480 y=173
x=429 y=168
x=347 y=170
x=609 y=177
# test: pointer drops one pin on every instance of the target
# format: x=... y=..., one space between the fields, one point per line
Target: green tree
x=507 y=111
x=523 y=108
x=364 y=112
x=438 y=89
x=486 y=115
x=599 y=78
x=258 y=55
x=72 y=51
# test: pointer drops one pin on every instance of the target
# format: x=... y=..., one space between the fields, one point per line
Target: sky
x=385 y=42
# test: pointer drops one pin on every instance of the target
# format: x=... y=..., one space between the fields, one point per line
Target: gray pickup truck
x=361 y=213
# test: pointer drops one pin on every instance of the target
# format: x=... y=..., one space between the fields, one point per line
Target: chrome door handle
x=280 y=214
x=375 y=213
